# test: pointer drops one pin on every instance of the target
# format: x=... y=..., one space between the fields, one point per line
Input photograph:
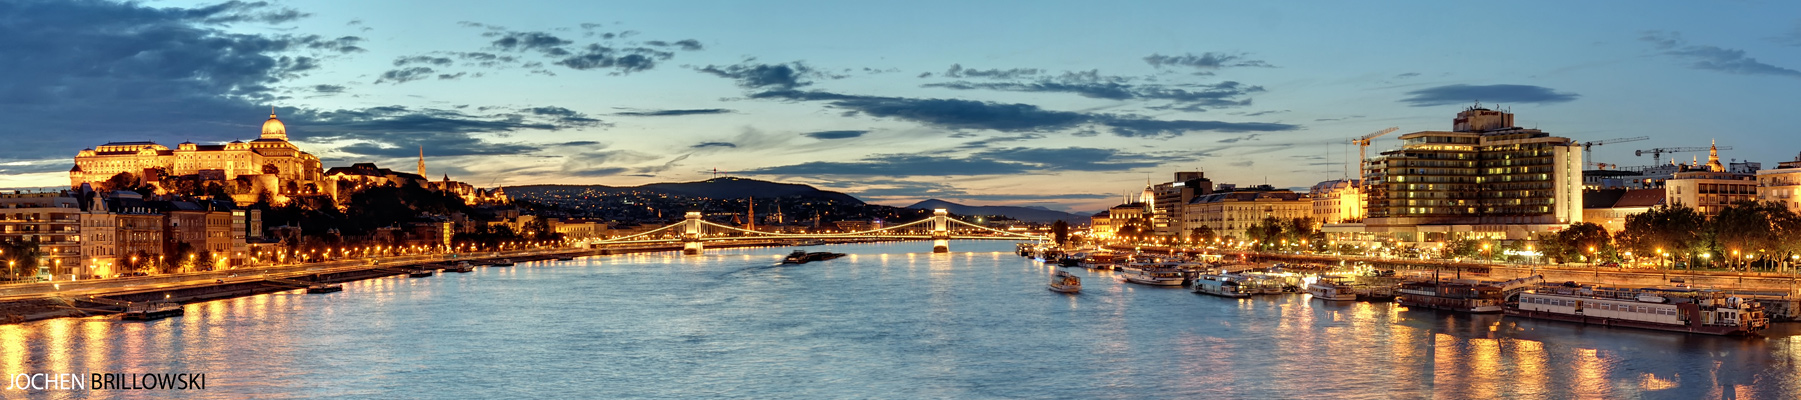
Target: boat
x=1681 y=309
x=803 y=257
x=1328 y=288
x=1098 y=261
x=566 y=258
x=810 y=243
x=324 y=288
x=504 y=262
x=421 y=273
x=1462 y=295
x=1223 y=286
x=1152 y=274
x=1071 y=260
x=461 y=267
x=1063 y=282
x=152 y=311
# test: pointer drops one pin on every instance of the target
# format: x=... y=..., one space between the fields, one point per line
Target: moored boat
x=1223 y=286
x=1328 y=288
x=504 y=262
x=1462 y=295
x=1152 y=274
x=1678 y=310
x=461 y=267
x=152 y=311
x=1063 y=282
x=421 y=273
x=324 y=288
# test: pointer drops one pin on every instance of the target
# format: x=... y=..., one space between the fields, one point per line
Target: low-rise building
x=1610 y=208
x=1711 y=189
x=52 y=220
x=1337 y=201
x=1781 y=185
x=139 y=235
x=1229 y=214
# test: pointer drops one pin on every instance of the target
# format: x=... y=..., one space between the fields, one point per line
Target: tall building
x=1711 y=188
x=1169 y=198
x=1782 y=185
x=271 y=163
x=1484 y=178
x=1337 y=201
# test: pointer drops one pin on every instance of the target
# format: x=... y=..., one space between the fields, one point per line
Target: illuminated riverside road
x=891 y=321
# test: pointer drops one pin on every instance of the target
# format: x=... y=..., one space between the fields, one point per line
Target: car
x=1611 y=265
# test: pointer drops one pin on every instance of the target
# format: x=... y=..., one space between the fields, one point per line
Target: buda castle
x=268 y=164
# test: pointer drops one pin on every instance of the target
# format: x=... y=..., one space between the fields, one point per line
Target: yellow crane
x=1363 y=143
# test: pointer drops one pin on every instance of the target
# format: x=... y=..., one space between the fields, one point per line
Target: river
x=890 y=321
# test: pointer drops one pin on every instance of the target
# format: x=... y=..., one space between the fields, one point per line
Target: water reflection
x=892 y=319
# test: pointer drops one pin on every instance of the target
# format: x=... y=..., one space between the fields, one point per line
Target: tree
x=1060 y=232
x=1759 y=229
x=1579 y=240
x=20 y=258
x=1675 y=231
x=1202 y=234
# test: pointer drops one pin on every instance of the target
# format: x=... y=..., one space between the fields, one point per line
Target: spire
x=1713 y=157
x=422 y=163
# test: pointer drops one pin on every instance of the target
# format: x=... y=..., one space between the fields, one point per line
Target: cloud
x=687 y=44
x=671 y=113
x=1094 y=85
x=827 y=135
x=765 y=76
x=396 y=131
x=903 y=189
x=1406 y=75
x=713 y=144
x=1460 y=94
x=957 y=71
x=530 y=41
x=404 y=75
x=403 y=61
x=1205 y=61
x=622 y=60
x=239 y=11
x=1240 y=138
x=1790 y=38
x=1005 y=161
x=1714 y=58
x=328 y=88
x=897 y=165
x=971 y=114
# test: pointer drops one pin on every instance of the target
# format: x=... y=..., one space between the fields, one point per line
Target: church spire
x=1713 y=157
x=422 y=163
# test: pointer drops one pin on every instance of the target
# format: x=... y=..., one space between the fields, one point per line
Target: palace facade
x=270 y=163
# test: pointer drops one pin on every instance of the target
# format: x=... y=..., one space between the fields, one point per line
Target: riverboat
x=504 y=262
x=1327 y=288
x=152 y=311
x=1063 y=282
x=1102 y=260
x=803 y=257
x=421 y=273
x=461 y=267
x=1159 y=274
x=1676 y=310
x=324 y=288
x=1463 y=295
x=1223 y=286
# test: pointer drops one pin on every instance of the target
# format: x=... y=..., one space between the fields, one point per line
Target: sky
x=1062 y=104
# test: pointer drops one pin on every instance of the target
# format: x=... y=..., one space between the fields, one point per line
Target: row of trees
x=1746 y=235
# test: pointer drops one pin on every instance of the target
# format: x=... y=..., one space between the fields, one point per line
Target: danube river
x=890 y=321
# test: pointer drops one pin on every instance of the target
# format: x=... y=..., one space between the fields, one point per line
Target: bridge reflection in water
x=693 y=232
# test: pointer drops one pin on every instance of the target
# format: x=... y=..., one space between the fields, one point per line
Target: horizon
x=992 y=104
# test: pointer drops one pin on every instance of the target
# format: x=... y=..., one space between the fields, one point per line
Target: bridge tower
x=691 y=234
x=941 y=231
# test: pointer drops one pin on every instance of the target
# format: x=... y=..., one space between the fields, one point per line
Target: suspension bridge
x=693 y=233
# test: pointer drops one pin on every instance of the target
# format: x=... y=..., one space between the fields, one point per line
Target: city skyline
x=988 y=104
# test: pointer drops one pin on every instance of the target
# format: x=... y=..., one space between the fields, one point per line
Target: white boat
x=1063 y=282
x=1223 y=286
x=1327 y=289
x=1152 y=274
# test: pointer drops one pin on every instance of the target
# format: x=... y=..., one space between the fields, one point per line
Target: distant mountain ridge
x=716 y=188
x=1028 y=214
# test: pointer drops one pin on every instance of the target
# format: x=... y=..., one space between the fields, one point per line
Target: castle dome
x=274 y=129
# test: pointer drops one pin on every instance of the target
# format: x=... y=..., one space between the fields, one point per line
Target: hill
x=716 y=188
x=1028 y=214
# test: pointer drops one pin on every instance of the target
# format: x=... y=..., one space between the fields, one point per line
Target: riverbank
x=39 y=301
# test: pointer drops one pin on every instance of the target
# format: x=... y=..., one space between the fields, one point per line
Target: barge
x=1677 y=310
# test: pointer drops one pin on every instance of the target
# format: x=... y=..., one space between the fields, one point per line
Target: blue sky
x=1060 y=104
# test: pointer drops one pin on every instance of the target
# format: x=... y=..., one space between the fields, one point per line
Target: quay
x=46 y=300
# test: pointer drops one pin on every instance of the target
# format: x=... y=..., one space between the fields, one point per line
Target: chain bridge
x=693 y=233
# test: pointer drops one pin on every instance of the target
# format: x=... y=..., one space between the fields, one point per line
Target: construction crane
x=1657 y=153
x=1589 y=158
x=1364 y=142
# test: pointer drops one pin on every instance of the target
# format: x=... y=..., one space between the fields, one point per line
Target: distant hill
x=716 y=188
x=1029 y=214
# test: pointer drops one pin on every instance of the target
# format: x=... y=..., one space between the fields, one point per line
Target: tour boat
x=461 y=267
x=1098 y=261
x=152 y=311
x=1223 y=286
x=1152 y=274
x=1063 y=282
x=1328 y=289
x=1678 y=310
x=1463 y=295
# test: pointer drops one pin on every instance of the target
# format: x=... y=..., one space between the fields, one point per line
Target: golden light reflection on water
x=13 y=352
x=1591 y=374
x=1530 y=360
x=1483 y=368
